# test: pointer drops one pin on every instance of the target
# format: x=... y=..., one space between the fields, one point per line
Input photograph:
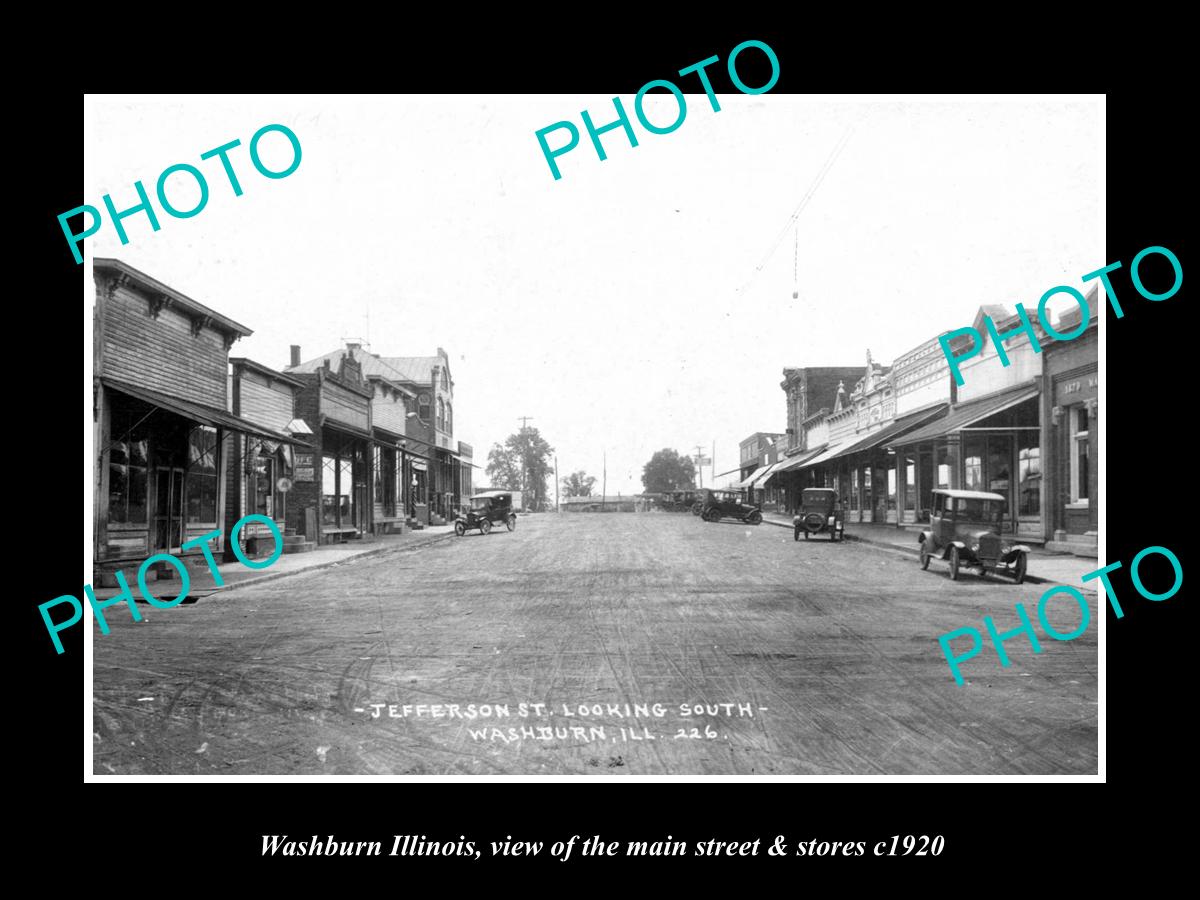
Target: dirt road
x=787 y=658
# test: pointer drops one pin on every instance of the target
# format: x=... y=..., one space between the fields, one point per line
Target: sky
x=641 y=302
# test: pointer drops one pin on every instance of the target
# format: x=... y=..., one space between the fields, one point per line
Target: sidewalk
x=1045 y=567
x=234 y=574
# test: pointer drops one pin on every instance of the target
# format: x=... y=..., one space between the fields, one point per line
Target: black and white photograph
x=702 y=431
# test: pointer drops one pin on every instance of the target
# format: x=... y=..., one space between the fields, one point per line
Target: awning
x=198 y=412
x=795 y=462
x=829 y=454
x=751 y=478
x=897 y=428
x=965 y=414
x=347 y=429
x=762 y=479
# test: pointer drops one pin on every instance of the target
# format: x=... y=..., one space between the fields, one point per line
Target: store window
x=891 y=487
x=945 y=466
x=999 y=466
x=854 y=490
x=264 y=485
x=973 y=464
x=127 y=478
x=419 y=483
x=1029 y=474
x=329 y=490
x=1079 y=454
x=377 y=473
x=910 y=485
x=201 y=490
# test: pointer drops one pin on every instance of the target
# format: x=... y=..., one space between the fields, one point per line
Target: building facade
x=1070 y=435
x=160 y=420
x=260 y=471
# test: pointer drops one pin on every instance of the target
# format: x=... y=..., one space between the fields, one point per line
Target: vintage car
x=965 y=529
x=485 y=509
x=718 y=505
x=677 y=501
x=820 y=511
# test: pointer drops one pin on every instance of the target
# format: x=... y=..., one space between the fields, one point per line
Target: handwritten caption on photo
x=593 y=722
x=979 y=341
x=126 y=596
x=596 y=846
x=1026 y=626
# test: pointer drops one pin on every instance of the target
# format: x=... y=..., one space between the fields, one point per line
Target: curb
x=846 y=535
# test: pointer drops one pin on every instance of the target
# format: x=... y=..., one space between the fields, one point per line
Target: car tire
x=925 y=556
x=511 y=523
x=954 y=564
x=485 y=526
x=1019 y=570
x=755 y=518
x=460 y=529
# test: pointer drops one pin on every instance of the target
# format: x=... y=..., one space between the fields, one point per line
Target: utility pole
x=524 y=420
x=556 y=509
x=604 y=482
x=699 y=468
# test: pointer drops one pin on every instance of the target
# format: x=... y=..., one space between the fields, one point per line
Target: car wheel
x=460 y=529
x=755 y=518
x=511 y=523
x=925 y=556
x=1019 y=570
x=485 y=526
x=954 y=564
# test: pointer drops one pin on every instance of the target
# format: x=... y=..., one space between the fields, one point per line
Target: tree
x=503 y=469
x=668 y=471
x=522 y=463
x=578 y=484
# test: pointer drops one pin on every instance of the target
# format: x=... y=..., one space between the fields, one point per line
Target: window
x=1029 y=474
x=201 y=490
x=891 y=487
x=945 y=466
x=973 y=464
x=127 y=482
x=449 y=418
x=441 y=415
x=329 y=490
x=910 y=484
x=854 y=490
x=423 y=409
x=377 y=473
x=1079 y=454
x=264 y=485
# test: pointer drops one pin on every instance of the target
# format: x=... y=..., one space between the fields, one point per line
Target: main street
x=804 y=658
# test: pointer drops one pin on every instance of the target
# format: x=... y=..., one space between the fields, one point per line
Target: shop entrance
x=168 y=509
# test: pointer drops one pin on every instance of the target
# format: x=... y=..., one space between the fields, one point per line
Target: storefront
x=162 y=466
x=992 y=443
x=879 y=485
x=345 y=474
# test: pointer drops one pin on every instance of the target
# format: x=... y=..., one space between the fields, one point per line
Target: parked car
x=820 y=511
x=486 y=509
x=718 y=505
x=965 y=528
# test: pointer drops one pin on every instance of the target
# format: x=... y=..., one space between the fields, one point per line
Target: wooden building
x=160 y=417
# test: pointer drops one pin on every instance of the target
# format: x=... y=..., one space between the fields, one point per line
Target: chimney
x=295 y=354
x=352 y=347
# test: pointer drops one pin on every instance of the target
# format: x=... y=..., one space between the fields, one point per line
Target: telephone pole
x=556 y=509
x=699 y=469
x=524 y=420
